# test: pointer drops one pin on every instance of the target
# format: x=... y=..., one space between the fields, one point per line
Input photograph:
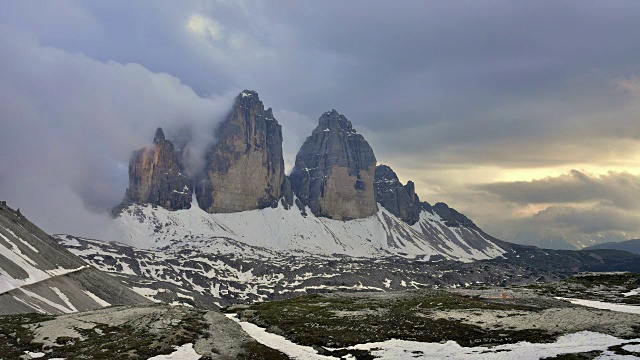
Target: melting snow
x=184 y=352
x=631 y=309
x=632 y=348
x=583 y=341
x=64 y=298
x=279 y=343
x=26 y=263
x=35 y=355
x=96 y=298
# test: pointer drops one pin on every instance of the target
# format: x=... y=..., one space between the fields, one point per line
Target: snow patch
x=96 y=298
x=631 y=309
x=278 y=342
x=184 y=352
x=583 y=341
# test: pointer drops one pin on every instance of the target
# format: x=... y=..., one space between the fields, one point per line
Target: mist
x=70 y=123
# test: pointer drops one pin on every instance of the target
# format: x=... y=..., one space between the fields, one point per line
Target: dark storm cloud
x=454 y=81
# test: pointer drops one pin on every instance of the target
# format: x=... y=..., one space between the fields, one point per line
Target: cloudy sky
x=523 y=115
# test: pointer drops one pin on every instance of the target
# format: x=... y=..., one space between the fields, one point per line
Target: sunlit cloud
x=206 y=27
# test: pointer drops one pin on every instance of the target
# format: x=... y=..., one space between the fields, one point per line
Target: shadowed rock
x=400 y=200
x=334 y=171
x=245 y=168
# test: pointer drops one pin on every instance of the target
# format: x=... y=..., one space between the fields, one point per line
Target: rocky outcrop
x=245 y=168
x=450 y=216
x=334 y=171
x=155 y=177
x=400 y=200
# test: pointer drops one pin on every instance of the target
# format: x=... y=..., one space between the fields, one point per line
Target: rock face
x=245 y=168
x=334 y=171
x=155 y=177
x=400 y=200
x=451 y=216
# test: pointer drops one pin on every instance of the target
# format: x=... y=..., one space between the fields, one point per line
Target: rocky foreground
x=526 y=321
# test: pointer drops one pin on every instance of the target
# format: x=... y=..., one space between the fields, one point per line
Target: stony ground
x=127 y=332
x=471 y=317
x=621 y=287
x=333 y=323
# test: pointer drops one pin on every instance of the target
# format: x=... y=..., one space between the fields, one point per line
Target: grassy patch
x=626 y=280
x=253 y=350
x=317 y=320
x=16 y=337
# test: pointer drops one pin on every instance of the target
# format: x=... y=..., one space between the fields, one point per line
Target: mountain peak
x=334 y=173
x=245 y=167
x=400 y=200
x=155 y=177
x=248 y=97
x=333 y=120
x=159 y=136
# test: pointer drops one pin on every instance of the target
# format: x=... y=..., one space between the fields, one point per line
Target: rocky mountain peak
x=451 y=216
x=332 y=120
x=159 y=136
x=248 y=99
x=245 y=168
x=334 y=170
x=156 y=178
x=400 y=200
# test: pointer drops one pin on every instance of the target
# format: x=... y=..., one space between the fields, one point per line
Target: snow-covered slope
x=196 y=273
x=37 y=274
x=290 y=231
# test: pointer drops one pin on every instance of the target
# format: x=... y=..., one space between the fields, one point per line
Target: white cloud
x=206 y=27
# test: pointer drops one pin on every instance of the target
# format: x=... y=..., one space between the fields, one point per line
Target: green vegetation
x=253 y=350
x=342 y=321
x=629 y=281
x=16 y=337
x=100 y=342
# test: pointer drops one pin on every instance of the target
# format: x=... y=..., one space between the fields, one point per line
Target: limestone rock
x=334 y=171
x=287 y=193
x=245 y=168
x=400 y=200
x=155 y=177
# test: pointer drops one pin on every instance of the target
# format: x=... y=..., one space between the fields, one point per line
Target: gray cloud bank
x=71 y=122
x=446 y=92
x=578 y=208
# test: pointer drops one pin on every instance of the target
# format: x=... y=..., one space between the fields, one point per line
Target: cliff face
x=155 y=177
x=334 y=171
x=245 y=168
x=400 y=200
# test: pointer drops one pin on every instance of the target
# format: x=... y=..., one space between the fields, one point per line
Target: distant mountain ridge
x=632 y=246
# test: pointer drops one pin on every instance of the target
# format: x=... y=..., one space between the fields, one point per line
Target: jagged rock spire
x=155 y=177
x=159 y=136
x=400 y=200
x=245 y=168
